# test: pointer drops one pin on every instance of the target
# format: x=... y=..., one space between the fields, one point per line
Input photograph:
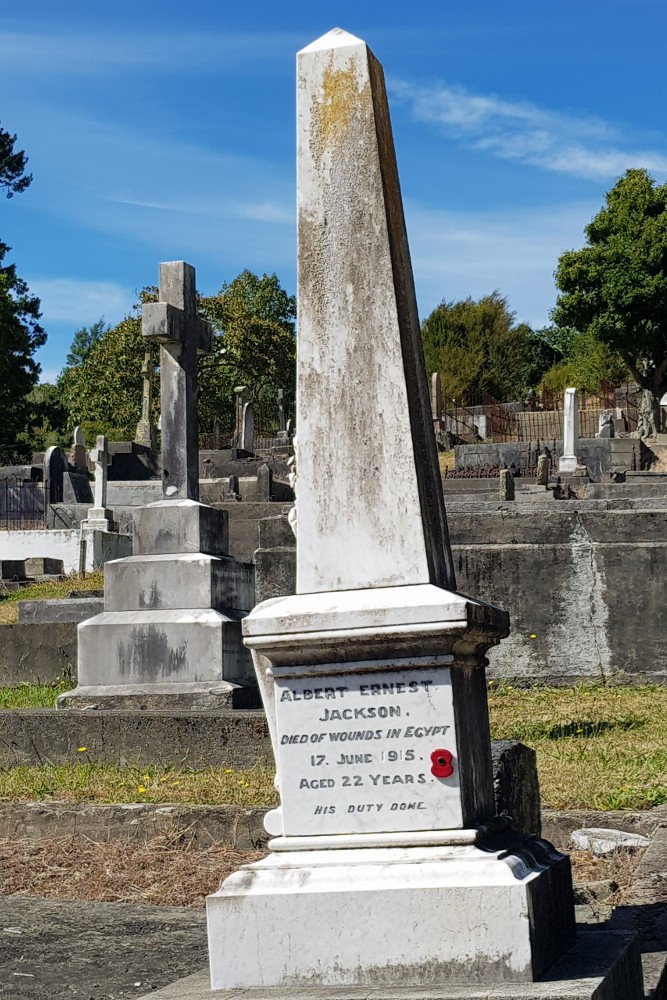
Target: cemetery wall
x=601 y=456
x=583 y=588
x=64 y=544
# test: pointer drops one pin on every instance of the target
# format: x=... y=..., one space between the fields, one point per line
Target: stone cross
x=568 y=461
x=145 y=433
x=182 y=335
x=100 y=458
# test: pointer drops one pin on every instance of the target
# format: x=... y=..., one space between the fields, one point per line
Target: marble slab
x=367 y=753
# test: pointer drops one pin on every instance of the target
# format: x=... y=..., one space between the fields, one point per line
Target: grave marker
x=98 y=515
x=568 y=461
x=383 y=870
x=182 y=336
x=145 y=433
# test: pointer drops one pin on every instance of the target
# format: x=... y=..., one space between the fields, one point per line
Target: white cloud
x=80 y=302
x=582 y=146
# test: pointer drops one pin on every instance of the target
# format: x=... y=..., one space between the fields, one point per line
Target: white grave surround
x=383 y=865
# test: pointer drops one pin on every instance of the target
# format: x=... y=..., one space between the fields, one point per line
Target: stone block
x=36 y=654
x=275 y=573
x=65 y=610
x=516 y=786
x=12 y=569
x=43 y=567
x=276 y=532
x=152 y=647
x=178 y=526
x=172 y=581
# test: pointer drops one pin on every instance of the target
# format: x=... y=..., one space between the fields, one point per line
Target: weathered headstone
x=248 y=429
x=568 y=461
x=55 y=465
x=170 y=634
x=606 y=425
x=386 y=865
x=280 y=400
x=506 y=491
x=182 y=335
x=77 y=454
x=145 y=433
x=241 y=398
x=543 y=470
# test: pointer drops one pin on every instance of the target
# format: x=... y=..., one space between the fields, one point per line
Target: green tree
x=83 y=340
x=103 y=393
x=13 y=177
x=20 y=332
x=614 y=289
x=254 y=345
x=585 y=363
x=47 y=420
x=477 y=347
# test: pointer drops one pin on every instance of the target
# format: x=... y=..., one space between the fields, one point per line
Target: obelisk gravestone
x=387 y=866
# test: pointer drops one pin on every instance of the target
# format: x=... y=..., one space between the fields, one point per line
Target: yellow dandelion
x=141 y=789
x=145 y=777
x=228 y=770
x=532 y=635
x=82 y=749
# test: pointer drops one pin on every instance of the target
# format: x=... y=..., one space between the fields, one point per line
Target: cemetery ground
x=598 y=748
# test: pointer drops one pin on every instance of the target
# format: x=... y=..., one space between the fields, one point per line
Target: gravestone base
x=170 y=634
x=194 y=697
x=602 y=965
x=413 y=916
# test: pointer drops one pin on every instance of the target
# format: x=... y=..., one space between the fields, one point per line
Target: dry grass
x=597 y=747
x=163 y=871
x=48 y=589
x=91 y=782
x=619 y=866
x=446 y=460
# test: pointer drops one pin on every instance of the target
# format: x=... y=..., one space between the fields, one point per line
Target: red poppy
x=441 y=766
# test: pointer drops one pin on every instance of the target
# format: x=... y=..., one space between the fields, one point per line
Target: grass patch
x=597 y=747
x=33 y=695
x=47 y=589
x=90 y=782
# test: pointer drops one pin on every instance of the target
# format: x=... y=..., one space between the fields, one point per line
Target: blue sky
x=160 y=130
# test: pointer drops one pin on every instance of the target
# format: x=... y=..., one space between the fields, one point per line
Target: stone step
x=192 y=580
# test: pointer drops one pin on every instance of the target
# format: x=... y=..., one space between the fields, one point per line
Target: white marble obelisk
x=568 y=461
x=381 y=870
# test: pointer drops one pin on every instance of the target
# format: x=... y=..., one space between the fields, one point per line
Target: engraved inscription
x=368 y=753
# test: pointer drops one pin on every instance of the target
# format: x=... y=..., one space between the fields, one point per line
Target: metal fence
x=23 y=504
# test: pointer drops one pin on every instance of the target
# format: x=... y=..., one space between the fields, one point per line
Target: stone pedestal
x=376 y=703
x=170 y=633
x=99 y=518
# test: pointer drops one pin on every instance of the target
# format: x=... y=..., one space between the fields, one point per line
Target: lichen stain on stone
x=335 y=108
